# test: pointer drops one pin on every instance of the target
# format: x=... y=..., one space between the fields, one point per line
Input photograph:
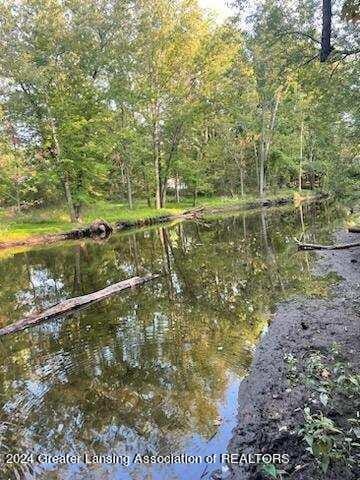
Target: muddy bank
x=309 y=357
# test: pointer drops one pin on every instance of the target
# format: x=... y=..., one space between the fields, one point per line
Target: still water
x=155 y=370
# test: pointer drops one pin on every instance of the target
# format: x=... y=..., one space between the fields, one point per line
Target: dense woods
x=113 y=99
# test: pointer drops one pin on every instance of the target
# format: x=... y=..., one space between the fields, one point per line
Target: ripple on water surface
x=155 y=370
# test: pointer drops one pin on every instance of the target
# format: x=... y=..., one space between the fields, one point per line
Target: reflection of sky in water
x=153 y=370
x=41 y=283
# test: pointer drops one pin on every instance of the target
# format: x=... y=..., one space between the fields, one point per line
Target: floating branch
x=74 y=303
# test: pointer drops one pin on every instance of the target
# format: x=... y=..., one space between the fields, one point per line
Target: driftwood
x=98 y=229
x=354 y=229
x=67 y=306
x=312 y=246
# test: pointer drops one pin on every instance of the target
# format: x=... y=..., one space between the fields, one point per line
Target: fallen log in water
x=102 y=229
x=354 y=229
x=98 y=228
x=312 y=246
x=74 y=303
x=193 y=213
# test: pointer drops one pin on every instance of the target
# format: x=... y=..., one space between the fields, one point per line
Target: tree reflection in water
x=151 y=370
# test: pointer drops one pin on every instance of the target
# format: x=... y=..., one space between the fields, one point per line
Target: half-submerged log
x=312 y=246
x=67 y=306
x=188 y=214
x=97 y=229
x=354 y=229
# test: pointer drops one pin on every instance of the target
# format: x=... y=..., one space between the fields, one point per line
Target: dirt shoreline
x=271 y=405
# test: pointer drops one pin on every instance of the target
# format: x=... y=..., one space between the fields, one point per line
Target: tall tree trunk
x=326 y=30
x=77 y=208
x=163 y=192
x=177 y=188
x=146 y=183
x=195 y=196
x=256 y=163
x=69 y=199
x=266 y=139
x=18 y=203
x=157 y=164
x=301 y=154
x=157 y=156
x=272 y=121
x=129 y=189
x=157 y=181
x=66 y=181
x=242 y=182
x=262 y=160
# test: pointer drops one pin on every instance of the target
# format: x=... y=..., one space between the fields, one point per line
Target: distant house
x=176 y=183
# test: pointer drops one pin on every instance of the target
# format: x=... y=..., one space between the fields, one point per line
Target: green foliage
x=333 y=384
x=115 y=99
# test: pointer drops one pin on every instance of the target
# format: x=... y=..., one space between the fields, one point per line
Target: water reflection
x=154 y=370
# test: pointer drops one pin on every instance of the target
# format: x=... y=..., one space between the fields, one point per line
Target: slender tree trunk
x=257 y=164
x=177 y=188
x=157 y=157
x=77 y=208
x=262 y=162
x=148 y=195
x=163 y=192
x=69 y=200
x=195 y=196
x=266 y=139
x=301 y=154
x=66 y=181
x=302 y=220
x=242 y=182
x=326 y=31
x=311 y=159
x=157 y=181
x=129 y=189
x=18 y=203
x=272 y=122
x=157 y=177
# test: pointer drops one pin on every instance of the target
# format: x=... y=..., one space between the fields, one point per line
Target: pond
x=151 y=371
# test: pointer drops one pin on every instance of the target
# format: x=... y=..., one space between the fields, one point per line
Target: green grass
x=50 y=220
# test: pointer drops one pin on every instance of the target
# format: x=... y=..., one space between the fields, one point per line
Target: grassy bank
x=44 y=221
